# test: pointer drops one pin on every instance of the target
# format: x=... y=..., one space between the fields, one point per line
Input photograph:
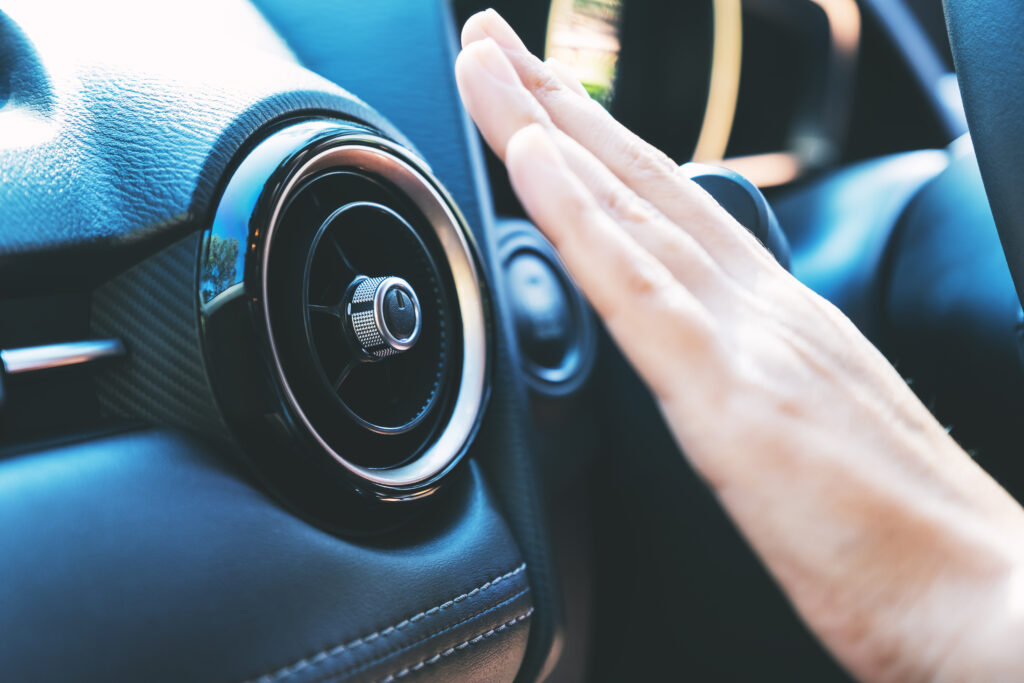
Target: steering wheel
x=987 y=39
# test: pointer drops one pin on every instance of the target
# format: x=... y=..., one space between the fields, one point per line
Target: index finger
x=642 y=167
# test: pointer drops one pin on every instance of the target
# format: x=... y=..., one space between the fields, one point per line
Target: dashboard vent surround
x=341 y=227
x=352 y=266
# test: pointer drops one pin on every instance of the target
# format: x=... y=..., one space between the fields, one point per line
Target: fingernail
x=496 y=27
x=491 y=58
x=472 y=31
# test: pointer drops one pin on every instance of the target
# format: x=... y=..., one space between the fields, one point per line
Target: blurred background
x=778 y=90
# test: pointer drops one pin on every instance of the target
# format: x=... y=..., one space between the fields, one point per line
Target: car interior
x=293 y=390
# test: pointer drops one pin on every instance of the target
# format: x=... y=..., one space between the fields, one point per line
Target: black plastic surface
x=745 y=203
x=987 y=39
x=952 y=318
x=543 y=317
x=840 y=228
x=554 y=325
x=400 y=314
x=53 y=404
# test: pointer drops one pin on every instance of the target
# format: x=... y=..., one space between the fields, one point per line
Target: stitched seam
x=457 y=648
x=323 y=655
x=343 y=673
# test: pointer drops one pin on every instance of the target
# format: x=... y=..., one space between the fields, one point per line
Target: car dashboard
x=225 y=486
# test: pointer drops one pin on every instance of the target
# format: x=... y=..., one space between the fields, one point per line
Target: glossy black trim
x=516 y=237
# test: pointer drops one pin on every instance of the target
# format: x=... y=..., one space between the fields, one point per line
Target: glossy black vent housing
x=312 y=211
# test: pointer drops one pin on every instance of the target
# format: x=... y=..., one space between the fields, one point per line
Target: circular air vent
x=362 y=280
x=341 y=235
x=387 y=372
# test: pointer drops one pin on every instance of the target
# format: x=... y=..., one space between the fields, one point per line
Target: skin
x=899 y=552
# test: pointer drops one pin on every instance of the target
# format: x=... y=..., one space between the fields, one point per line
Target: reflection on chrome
x=35 y=358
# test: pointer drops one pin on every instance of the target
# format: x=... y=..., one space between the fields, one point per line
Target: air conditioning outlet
x=357 y=274
x=342 y=229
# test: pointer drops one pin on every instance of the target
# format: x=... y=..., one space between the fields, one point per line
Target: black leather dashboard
x=119 y=159
x=143 y=557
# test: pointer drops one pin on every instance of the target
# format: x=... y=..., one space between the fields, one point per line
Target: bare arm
x=901 y=554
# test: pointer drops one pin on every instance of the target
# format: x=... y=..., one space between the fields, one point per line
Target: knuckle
x=644 y=161
x=638 y=288
x=617 y=201
x=643 y=280
x=625 y=205
x=542 y=81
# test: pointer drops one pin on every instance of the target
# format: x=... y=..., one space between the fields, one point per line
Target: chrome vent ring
x=365 y=291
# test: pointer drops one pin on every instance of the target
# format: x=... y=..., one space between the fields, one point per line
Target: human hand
x=899 y=552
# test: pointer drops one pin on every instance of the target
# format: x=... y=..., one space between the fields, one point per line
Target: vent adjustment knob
x=384 y=316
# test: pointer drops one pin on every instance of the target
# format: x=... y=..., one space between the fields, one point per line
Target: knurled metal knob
x=384 y=316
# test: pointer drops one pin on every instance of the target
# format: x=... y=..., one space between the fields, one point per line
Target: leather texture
x=117 y=132
x=987 y=40
x=143 y=557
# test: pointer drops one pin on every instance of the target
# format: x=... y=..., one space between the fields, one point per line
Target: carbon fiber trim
x=152 y=308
